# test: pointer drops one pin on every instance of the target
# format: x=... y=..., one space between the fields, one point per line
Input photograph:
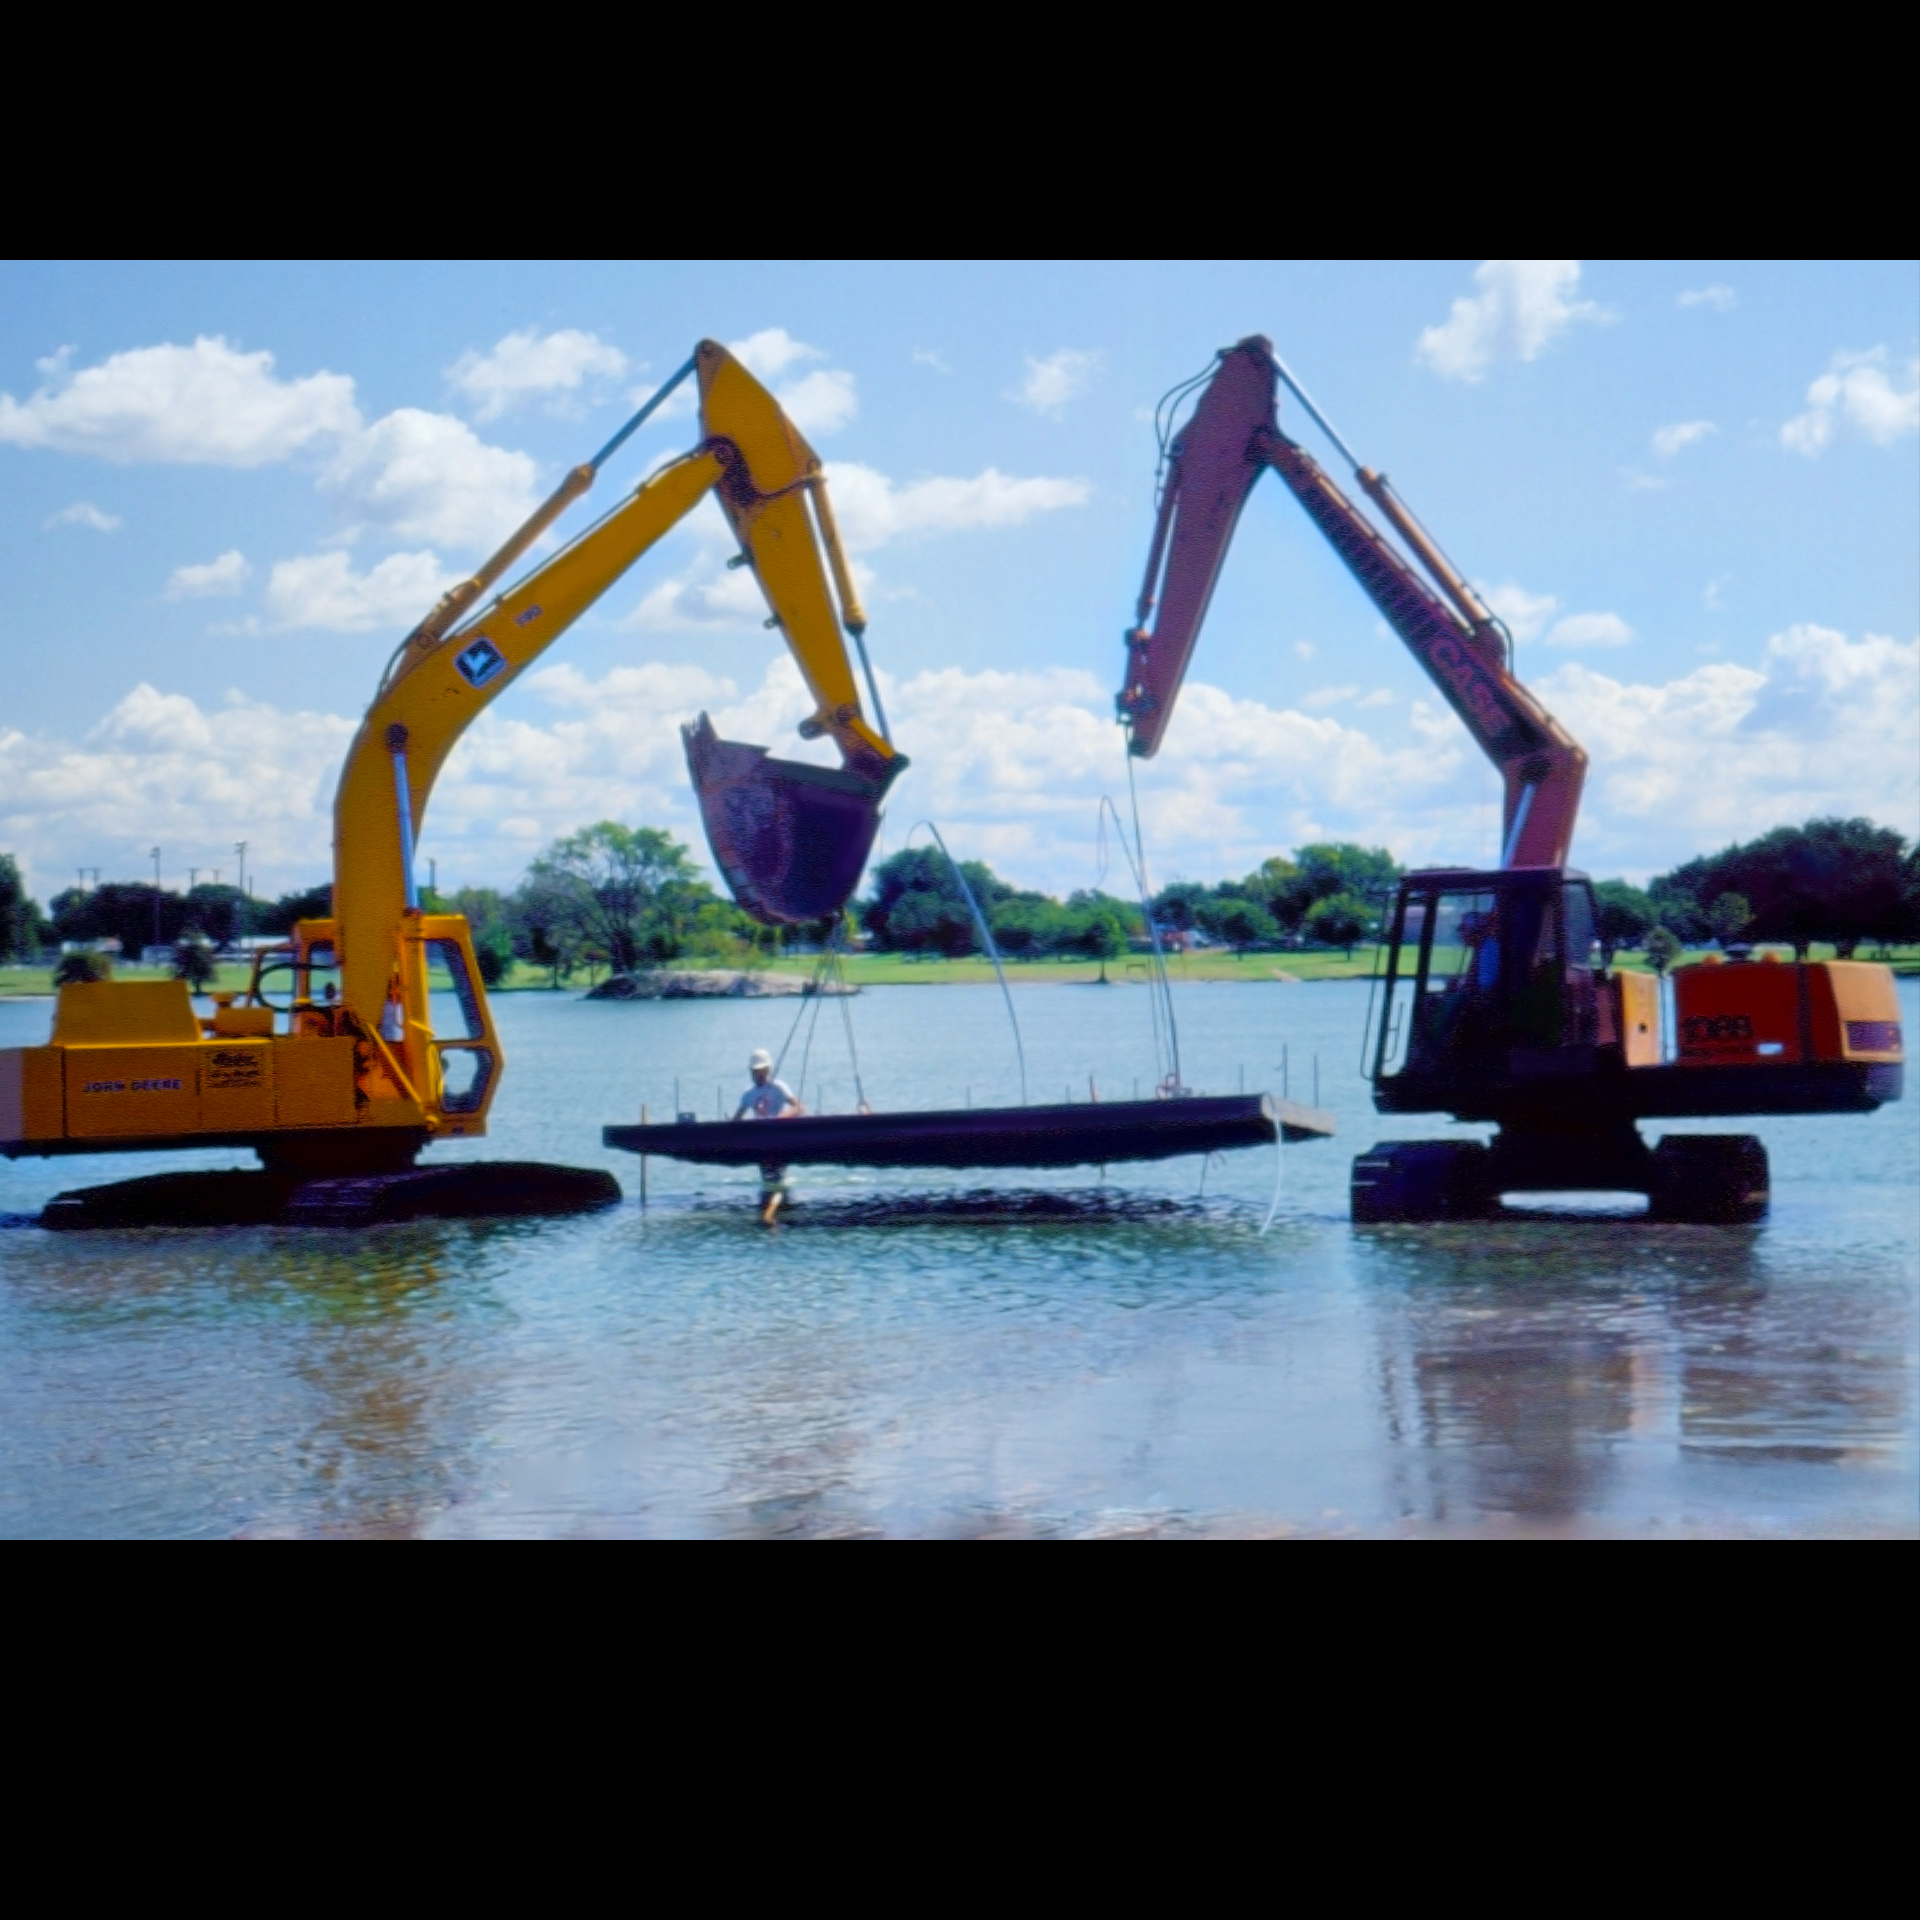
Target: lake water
x=914 y=1356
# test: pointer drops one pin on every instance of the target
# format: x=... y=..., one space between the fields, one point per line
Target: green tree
x=77 y=969
x=1662 y=948
x=916 y=905
x=225 y=914
x=1024 y=929
x=926 y=922
x=1279 y=885
x=1339 y=920
x=1174 y=906
x=543 y=932
x=1093 y=928
x=1239 y=923
x=135 y=914
x=1830 y=879
x=193 y=960
x=309 y=903
x=1729 y=917
x=1369 y=874
x=19 y=918
x=630 y=892
x=1626 y=915
x=490 y=922
x=1677 y=907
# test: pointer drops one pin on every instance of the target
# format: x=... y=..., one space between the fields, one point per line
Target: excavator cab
x=1491 y=978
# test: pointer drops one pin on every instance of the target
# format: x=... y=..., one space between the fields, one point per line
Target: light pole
x=240 y=847
x=155 y=854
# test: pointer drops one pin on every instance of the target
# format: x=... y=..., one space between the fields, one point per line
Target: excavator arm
x=452 y=667
x=791 y=838
x=1232 y=437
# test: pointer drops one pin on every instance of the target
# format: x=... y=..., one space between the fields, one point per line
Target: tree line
x=1843 y=882
x=624 y=898
x=1328 y=894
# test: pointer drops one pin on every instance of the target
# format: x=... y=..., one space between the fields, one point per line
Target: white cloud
x=1529 y=615
x=411 y=475
x=1012 y=766
x=83 y=513
x=1855 y=390
x=204 y=403
x=529 y=364
x=1330 y=696
x=820 y=402
x=1522 y=307
x=1052 y=382
x=161 y=769
x=322 y=590
x=1667 y=441
x=226 y=575
x=706 y=594
x=872 y=509
x=1526 y=614
x=427 y=476
x=770 y=352
x=1304 y=648
x=1589 y=630
x=1720 y=299
x=1823 y=725
x=931 y=357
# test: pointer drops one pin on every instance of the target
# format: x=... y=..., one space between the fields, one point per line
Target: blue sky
x=225 y=492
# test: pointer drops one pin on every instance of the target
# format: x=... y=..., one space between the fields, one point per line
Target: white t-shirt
x=765 y=1103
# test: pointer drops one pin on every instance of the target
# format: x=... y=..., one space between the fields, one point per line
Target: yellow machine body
x=348 y=1071
x=1771 y=1011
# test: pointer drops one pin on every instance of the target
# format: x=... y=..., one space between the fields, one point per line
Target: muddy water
x=919 y=1355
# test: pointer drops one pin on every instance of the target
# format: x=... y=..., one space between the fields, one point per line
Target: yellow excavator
x=329 y=1066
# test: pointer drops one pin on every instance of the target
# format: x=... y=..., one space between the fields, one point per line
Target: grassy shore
x=901 y=970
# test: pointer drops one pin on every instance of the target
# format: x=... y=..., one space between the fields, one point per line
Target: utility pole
x=193 y=878
x=433 y=878
x=156 y=895
x=240 y=847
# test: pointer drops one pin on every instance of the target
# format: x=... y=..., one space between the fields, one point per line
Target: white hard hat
x=761 y=1058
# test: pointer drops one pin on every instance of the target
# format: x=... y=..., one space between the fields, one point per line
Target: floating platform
x=243 y=1197
x=1098 y=1133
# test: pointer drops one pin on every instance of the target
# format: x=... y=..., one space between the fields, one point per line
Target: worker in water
x=768 y=1099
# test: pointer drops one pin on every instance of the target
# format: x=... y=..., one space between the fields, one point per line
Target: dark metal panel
x=1097 y=1134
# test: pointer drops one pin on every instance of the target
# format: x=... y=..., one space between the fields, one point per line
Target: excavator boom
x=1232 y=437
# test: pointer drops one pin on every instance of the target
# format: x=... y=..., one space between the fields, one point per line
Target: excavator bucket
x=791 y=838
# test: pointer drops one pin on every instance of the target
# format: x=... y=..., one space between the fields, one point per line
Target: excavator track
x=242 y=1197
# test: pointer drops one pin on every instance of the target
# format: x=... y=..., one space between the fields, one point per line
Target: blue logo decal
x=531 y=614
x=480 y=661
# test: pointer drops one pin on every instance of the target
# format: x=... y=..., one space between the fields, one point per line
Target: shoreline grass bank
x=906 y=970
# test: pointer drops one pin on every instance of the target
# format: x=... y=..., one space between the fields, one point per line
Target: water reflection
x=1554 y=1373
